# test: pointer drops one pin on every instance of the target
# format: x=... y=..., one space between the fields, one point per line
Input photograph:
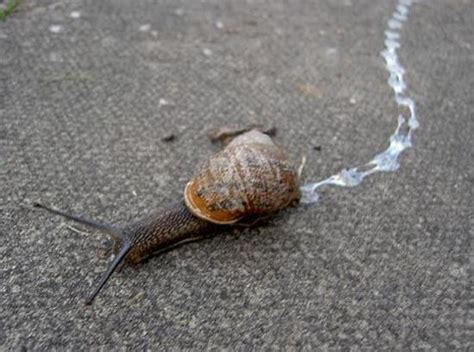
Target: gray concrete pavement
x=85 y=103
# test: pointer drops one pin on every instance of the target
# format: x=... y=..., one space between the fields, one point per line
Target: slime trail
x=401 y=138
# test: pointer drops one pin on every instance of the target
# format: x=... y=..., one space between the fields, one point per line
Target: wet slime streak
x=386 y=161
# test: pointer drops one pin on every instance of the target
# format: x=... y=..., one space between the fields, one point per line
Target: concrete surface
x=85 y=103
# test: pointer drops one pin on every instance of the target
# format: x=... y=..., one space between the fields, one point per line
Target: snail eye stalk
x=110 y=229
x=116 y=232
x=126 y=247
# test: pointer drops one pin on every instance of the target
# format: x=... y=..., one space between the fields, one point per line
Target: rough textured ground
x=381 y=266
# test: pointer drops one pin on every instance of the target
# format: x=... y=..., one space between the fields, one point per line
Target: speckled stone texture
x=86 y=102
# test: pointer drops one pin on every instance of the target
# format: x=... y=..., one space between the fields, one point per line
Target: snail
x=251 y=178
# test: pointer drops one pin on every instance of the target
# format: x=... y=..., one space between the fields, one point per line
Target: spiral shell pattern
x=250 y=177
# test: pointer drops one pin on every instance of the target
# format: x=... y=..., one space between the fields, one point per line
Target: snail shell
x=251 y=176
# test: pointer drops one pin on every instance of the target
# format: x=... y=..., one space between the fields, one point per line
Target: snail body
x=249 y=179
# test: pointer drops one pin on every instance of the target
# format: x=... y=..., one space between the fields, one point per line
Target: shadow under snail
x=249 y=179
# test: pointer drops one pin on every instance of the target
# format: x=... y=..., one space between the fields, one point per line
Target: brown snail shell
x=250 y=177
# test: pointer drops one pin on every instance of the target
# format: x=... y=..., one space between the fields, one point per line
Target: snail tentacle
x=110 y=229
x=125 y=248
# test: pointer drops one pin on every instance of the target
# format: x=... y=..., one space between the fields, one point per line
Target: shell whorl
x=250 y=177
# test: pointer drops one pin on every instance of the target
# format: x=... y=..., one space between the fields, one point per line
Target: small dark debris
x=169 y=138
x=317 y=147
x=251 y=22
